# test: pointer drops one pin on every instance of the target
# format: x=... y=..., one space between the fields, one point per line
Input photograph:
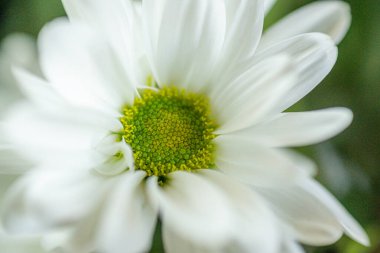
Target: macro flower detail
x=169 y=131
x=173 y=110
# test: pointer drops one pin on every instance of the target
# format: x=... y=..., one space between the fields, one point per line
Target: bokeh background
x=350 y=163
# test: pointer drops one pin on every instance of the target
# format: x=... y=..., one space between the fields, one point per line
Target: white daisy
x=174 y=109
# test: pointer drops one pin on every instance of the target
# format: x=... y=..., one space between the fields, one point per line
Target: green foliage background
x=354 y=83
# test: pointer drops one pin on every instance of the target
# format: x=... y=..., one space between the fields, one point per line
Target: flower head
x=174 y=109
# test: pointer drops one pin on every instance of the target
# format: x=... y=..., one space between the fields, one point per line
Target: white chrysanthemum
x=174 y=109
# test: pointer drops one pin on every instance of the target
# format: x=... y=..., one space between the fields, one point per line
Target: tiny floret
x=170 y=130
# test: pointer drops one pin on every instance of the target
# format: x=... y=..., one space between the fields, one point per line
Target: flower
x=174 y=109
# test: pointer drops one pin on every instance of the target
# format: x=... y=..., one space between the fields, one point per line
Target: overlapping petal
x=254 y=164
x=350 y=226
x=330 y=17
x=314 y=55
x=183 y=40
x=119 y=22
x=253 y=95
x=95 y=61
x=81 y=67
x=256 y=228
x=128 y=220
x=184 y=212
x=314 y=216
x=49 y=198
x=244 y=25
x=269 y=4
x=42 y=134
x=299 y=128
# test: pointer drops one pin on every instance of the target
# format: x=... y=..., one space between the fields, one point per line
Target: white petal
x=184 y=39
x=269 y=4
x=82 y=238
x=252 y=96
x=300 y=128
x=256 y=226
x=291 y=246
x=11 y=163
x=20 y=245
x=119 y=22
x=37 y=90
x=174 y=244
x=16 y=49
x=255 y=164
x=309 y=220
x=330 y=17
x=348 y=223
x=308 y=165
x=244 y=25
x=48 y=198
x=313 y=54
x=35 y=133
x=54 y=241
x=19 y=49
x=128 y=221
x=82 y=68
x=113 y=156
x=193 y=208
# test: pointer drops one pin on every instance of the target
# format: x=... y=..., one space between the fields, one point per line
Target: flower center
x=169 y=130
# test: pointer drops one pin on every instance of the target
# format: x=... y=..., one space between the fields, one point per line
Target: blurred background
x=350 y=163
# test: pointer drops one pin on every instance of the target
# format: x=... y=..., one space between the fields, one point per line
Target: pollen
x=170 y=130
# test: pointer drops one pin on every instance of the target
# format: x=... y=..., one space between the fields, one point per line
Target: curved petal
x=244 y=25
x=113 y=156
x=183 y=40
x=252 y=96
x=269 y=4
x=255 y=164
x=309 y=220
x=119 y=22
x=35 y=133
x=330 y=17
x=314 y=216
x=37 y=90
x=174 y=244
x=314 y=55
x=82 y=68
x=348 y=223
x=21 y=245
x=308 y=165
x=300 y=128
x=16 y=49
x=12 y=162
x=291 y=246
x=5 y=182
x=55 y=240
x=256 y=227
x=187 y=202
x=48 y=198
x=128 y=221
